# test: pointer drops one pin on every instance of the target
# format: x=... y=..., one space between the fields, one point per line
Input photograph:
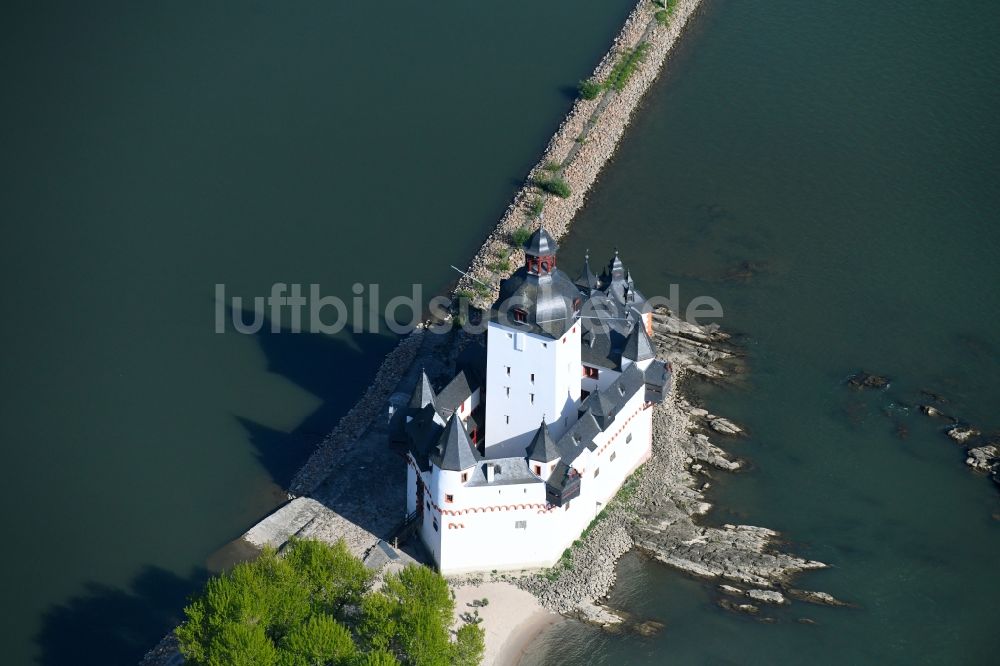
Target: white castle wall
x=478 y=529
x=516 y=404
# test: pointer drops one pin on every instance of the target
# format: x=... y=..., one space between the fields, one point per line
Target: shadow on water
x=336 y=370
x=110 y=625
x=118 y=625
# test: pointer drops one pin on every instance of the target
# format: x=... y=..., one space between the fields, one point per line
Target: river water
x=153 y=150
x=847 y=152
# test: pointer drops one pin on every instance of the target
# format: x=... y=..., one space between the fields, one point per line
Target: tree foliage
x=314 y=606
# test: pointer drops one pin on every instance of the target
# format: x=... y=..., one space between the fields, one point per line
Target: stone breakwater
x=353 y=424
x=585 y=141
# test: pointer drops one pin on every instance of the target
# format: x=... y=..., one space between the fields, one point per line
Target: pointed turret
x=454 y=452
x=638 y=346
x=616 y=268
x=587 y=280
x=540 y=253
x=423 y=394
x=543 y=447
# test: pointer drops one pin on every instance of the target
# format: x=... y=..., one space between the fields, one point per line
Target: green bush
x=315 y=605
x=590 y=89
x=520 y=236
x=554 y=185
x=536 y=207
x=626 y=66
x=552 y=165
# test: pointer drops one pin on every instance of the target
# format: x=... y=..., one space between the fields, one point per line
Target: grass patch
x=626 y=66
x=536 y=207
x=668 y=7
x=554 y=185
x=520 y=236
x=500 y=266
x=552 y=165
x=590 y=89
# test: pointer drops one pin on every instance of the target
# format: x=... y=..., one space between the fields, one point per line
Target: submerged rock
x=815 y=597
x=865 y=380
x=725 y=426
x=983 y=458
x=767 y=596
x=740 y=608
x=962 y=434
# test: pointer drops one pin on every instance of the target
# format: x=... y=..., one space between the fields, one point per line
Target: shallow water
x=847 y=152
x=152 y=150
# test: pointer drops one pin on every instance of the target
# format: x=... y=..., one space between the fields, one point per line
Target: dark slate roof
x=548 y=301
x=638 y=346
x=423 y=430
x=454 y=450
x=543 y=447
x=561 y=475
x=505 y=471
x=604 y=405
x=587 y=280
x=541 y=244
x=580 y=436
x=454 y=394
x=423 y=394
x=657 y=378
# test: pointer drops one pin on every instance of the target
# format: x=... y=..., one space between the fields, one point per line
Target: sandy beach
x=512 y=619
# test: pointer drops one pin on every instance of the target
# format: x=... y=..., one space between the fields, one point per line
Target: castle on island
x=519 y=452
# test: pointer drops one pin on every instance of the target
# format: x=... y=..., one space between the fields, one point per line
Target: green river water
x=847 y=151
x=153 y=150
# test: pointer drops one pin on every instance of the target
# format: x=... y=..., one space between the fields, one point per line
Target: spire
x=540 y=253
x=423 y=394
x=454 y=451
x=543 y=447
x=617 y=268
x=587 y=279
x=541 y=244
x=638 y=346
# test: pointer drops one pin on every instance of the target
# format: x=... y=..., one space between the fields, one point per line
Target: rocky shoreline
x=657 y=511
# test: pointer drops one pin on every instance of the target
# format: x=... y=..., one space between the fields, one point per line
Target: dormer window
x=520 y=315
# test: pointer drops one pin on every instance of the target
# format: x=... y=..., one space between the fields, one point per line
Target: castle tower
x=533 y=367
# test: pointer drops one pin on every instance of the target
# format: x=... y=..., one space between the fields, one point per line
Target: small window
x=520 y=524
x=520 y=315
x=508 y=371
x=532 y=398
x=428 y=506
x=519 y=342
x=507 y=389
x=506 y=418
x=611 y=459
x=592 y=373
x=449 y=498
x=532 y=378
x=435 y=523
x=538 y=470
x=545 y=345
x=461 y=408
x=465 y=475
x=629 y=438
x=597 y=472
